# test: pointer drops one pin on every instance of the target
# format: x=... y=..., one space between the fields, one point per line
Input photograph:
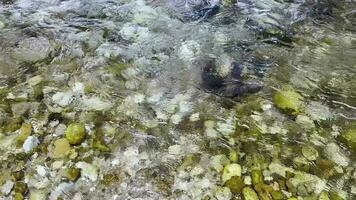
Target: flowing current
x=178 y=99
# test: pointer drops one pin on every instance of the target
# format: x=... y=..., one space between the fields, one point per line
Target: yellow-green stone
x=249 y=194
x=61 y=147
x=289 y=101
x=257 y=177
x=235 y=184
x=75 y=133
x=349 y=138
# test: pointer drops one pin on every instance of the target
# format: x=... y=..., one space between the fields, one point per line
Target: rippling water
x=180 y=99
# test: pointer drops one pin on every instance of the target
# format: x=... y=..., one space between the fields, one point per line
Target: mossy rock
x=252 y=104
x=96 y=117
x=277 y=195
x=324 y=196
x=249 y=194
x=21 y=187
x=18 y=175
x=98 y=142
x=310 y=152
x=110 y=179
x=234 y=156
x=61 y=148
x=349 y=138
x=230 y=170
x=88 y=89
x=13 y=124
x=289 y=101
x=235 y=184
x=263 y=191
x=38 y=90
x=335 y=196
x=257 y=176
x=18 y=196
x=293 y=198
x=25 y=131
x=100 y=145
x=72 y=173
x=256 y=161
x=75 y=133
x=118 y=68
x=190 y=160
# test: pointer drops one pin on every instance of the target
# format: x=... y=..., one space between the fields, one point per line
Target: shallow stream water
x=178 y=99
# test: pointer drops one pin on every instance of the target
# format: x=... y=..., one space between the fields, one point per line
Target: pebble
x=30 y=143
x=7 y=187
x=88 y=170
x=231 y=170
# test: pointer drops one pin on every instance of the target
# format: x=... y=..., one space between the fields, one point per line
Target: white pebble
x=30 y=143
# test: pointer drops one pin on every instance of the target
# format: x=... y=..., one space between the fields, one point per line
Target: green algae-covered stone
x=100 y=146
x=231 y=170
x=190 y=160
x=235 y=184
x=263 y=191
x=20 y=187
x=72 y=173
x=289 y=101
x=13 y=124
x=18 y=175
x=324 y=196
x=75 y=133
x=61 y=148
x=257 y=177
x=234 y=156
x=25 y=131
x=349 y=137
x=18 y=196
x=277 y=195
x=110 y=179
x=249 y=194
x=310 y=152
x=38 y=194
x=335 y=196
x=264 y=195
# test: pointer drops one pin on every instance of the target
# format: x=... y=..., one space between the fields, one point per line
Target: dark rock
x=213 y=82
x=204 y=13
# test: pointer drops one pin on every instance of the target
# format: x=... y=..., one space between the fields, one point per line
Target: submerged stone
x=222 y=193
x=2 y=25
x=25 y=131
x=336 y=154
x=75 y=133
x=32 y=49
x=21 y=187
x=289 y=101
x=310 y=152
x=257 y=177
x=61 y=148
x=30 y=143
x=72 y=173
x=7 y=187
x=231 y=170
x=88 y=170
x=349 y=138
x=13 y=124
x=249 y=194
x=324 y=196
x=235 y=184
x=263 y=191
x=36 y=194
x=100 y=145
x=277 y=195
x=110 y=179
